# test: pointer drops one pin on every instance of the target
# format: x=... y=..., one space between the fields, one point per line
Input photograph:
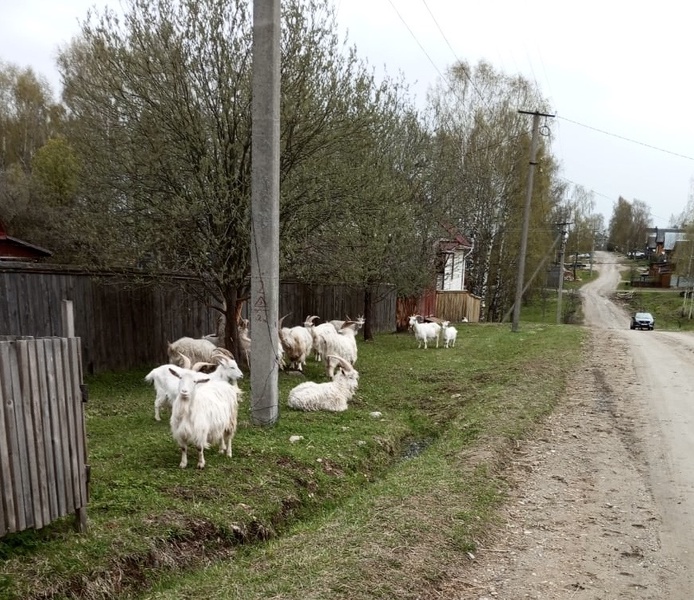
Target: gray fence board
x=42 y=433
x=49 y=461
x=7 y=510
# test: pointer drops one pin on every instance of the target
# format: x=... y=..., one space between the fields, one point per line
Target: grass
x=361 y=506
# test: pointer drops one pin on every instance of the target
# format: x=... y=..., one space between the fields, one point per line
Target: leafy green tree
x=629 y=225
x=484 y=149
x=30 y=124
x=160 y=107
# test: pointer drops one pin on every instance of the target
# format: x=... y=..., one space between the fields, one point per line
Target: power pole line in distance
x=526 y=216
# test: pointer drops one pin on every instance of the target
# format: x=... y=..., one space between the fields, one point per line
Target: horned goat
x=166 y=385
x=205 y=412
x=331 y=396
x=337 y=324
x=196 y=349
x=342 y=344
x=320 y=333
x=424 y=332
x=297 y=343
x=449 y=334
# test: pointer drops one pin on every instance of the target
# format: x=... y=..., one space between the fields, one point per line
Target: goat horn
x=199 y=365
x=343 y=363
x=223 y=352
x=279 y=323
x=185 y=360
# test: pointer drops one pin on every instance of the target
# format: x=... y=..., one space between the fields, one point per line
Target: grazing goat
x=297 y=343
x=196 y=349
x=204 y=412
x=449 y=334
x=166 y=385
x=424 y=332
x=331 y=396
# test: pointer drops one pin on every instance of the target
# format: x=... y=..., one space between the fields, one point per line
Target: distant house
x=661 y=242
x=452 y=254
x=12 y=248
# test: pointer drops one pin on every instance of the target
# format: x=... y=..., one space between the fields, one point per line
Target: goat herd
x=200 y=383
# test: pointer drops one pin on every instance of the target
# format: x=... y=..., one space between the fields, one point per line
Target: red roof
x=12 y=248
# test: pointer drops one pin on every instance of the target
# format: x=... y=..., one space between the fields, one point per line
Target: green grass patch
x=359 y=508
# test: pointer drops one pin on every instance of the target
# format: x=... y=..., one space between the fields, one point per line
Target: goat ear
x=202 y=380
x=174 y=373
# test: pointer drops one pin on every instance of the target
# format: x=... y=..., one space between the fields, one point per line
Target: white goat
x=424 y=332
x=342 y=344
x=297 y=343
x=332 y=396
x=204 y=412
x=319 y=333
x=196 y=349
x=337 y=324
x=166 y=385
x=245 y=342
x=449 y=334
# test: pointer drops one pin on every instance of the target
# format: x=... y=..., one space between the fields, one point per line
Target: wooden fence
x=450 y=306
x=456 y=306
x=43 y=451
x=124 y=324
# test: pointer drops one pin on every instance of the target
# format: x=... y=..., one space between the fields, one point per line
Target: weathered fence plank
x=15 y=482
x=7 y=509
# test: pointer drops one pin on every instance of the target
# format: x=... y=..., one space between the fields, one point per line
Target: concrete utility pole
x=265 y=193
x=526 y=217
x=560 y=280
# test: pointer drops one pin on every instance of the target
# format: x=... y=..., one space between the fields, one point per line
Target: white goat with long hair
x=320 y=333
x=297 y=343
x=424 y=332
x=343 y=344
x=331 y=396
x=196 y=349
x=450 y=333
x=205 y=412
x=166 y=384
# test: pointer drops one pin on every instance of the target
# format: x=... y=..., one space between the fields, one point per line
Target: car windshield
x=642 y=316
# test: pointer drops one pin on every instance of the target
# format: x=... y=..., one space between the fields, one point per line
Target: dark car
x=642 y=320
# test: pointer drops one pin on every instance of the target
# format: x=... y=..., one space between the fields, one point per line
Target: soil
x=602 y=505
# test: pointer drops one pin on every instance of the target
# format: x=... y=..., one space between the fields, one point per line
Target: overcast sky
x=618 y=74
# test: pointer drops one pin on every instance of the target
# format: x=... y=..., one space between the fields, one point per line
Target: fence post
x=68 y=319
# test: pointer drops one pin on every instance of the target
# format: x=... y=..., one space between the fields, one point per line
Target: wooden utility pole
x=265 y=192
x=526 y=217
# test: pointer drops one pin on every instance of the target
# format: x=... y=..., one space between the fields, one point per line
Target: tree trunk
x=368 y=309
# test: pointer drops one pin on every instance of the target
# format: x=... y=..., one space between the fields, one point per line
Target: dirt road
x=603 y=501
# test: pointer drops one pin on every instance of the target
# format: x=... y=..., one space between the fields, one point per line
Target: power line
x=415 y=39
x=626 y=139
